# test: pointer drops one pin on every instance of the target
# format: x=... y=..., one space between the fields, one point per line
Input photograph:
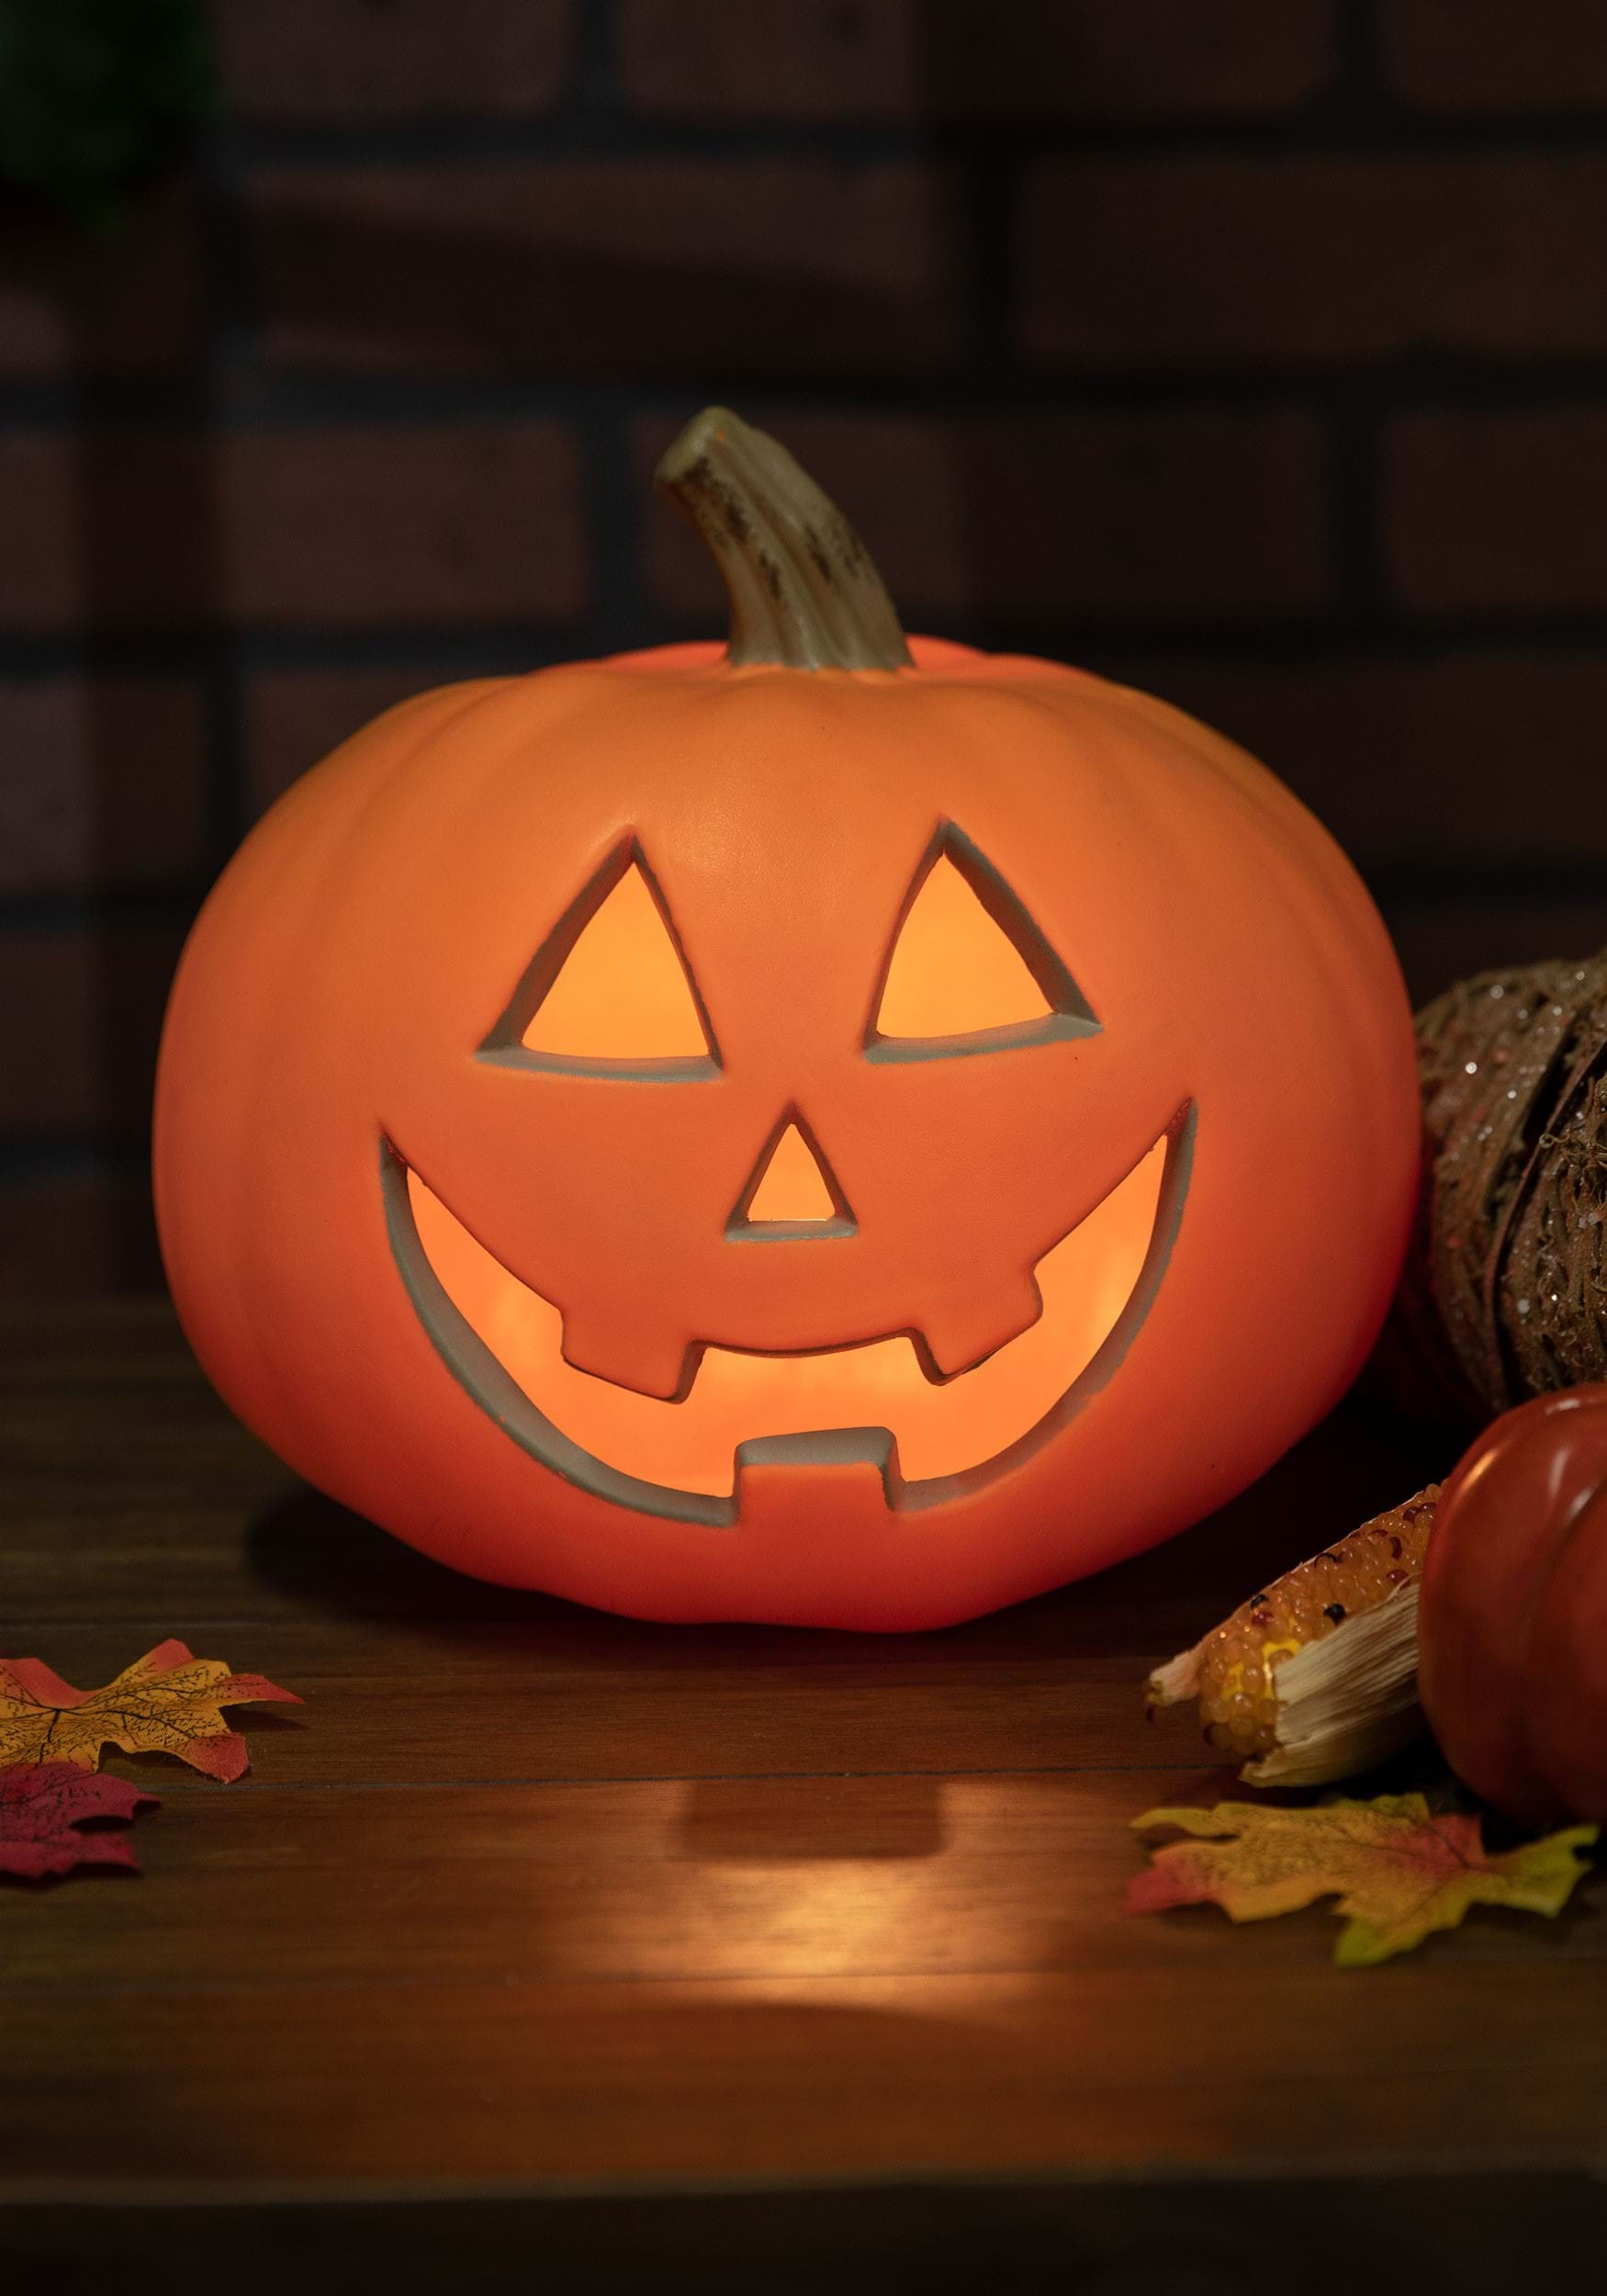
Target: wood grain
x=526 y=1896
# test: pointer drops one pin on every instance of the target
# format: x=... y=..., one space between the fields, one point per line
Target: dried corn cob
x=1352 y=1698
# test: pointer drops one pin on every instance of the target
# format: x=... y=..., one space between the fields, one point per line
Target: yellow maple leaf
x=1398 y=1869
x=168 y=1703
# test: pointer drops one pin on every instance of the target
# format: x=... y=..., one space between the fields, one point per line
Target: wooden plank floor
x=527 y=1899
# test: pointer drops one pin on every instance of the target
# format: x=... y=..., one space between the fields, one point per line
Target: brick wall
x=1253 y=350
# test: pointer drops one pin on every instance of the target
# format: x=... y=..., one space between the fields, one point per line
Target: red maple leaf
x=44 y=1803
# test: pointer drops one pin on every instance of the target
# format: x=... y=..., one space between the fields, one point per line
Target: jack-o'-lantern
x=817 y=1130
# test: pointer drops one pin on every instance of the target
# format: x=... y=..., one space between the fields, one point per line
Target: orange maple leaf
x=167 y=1702
x=1398 y=1869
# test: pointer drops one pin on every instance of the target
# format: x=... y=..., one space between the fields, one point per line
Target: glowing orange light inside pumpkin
x=940 y=1428
x=793 y=1187
x=954 y=971
x=621 y=992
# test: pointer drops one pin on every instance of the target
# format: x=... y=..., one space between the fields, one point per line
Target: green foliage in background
x=96 y=94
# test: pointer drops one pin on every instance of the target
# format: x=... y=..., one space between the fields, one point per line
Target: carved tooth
x=630 y=1357
x=848 y=1467
x=959 y=1335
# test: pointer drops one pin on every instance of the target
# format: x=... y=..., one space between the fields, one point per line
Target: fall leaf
x=1398 y=1869
x=166 y=1703
x=41 y=1806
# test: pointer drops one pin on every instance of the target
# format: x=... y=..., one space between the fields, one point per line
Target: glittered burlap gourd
x=1504 y=1294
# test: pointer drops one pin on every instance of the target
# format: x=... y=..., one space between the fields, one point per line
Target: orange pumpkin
x=1512 y=1611
x=809 y=1131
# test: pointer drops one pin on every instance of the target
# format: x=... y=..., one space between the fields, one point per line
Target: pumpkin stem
x=803 y=592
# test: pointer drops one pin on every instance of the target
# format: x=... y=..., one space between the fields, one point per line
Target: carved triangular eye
x=608 y=991
x=969 y=971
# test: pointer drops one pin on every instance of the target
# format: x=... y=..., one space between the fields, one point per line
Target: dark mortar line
x=1409 y=379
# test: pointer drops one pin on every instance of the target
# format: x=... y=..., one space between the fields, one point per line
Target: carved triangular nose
x=791 y=1192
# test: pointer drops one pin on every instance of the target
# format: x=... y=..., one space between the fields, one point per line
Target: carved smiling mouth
x=932 y=1439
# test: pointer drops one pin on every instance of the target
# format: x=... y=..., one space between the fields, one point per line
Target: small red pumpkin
x=1512 y=1625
